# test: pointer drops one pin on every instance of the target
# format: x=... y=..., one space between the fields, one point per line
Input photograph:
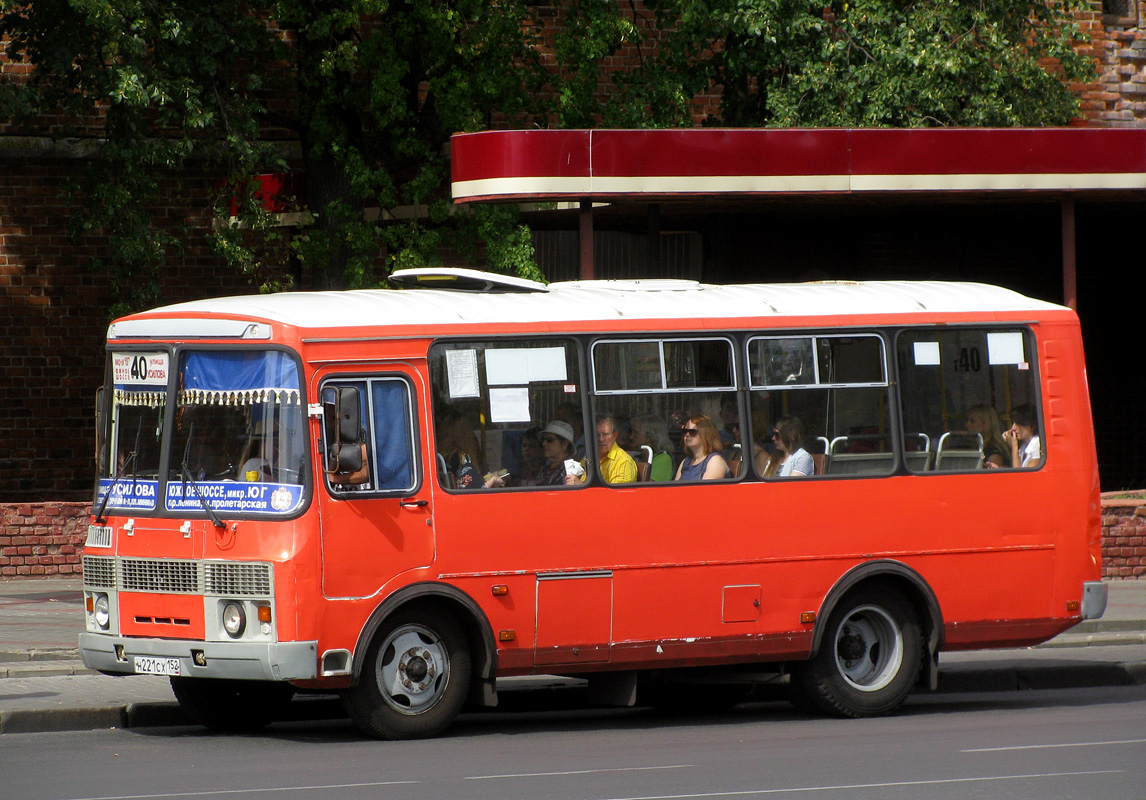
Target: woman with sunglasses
x=702 y=446
x=791 y=457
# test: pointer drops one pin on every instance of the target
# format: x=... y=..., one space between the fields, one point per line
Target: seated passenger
x=358 y=480
x=1023 y=438
x=532 y=459
x=983 y=420
x=702 y=446
x=617 y=466
x=459 y=447
x=790 y=457
x=557 y=445
x=650 y=431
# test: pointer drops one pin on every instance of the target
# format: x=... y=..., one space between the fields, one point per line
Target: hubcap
x=869 y=648
x=413 y=669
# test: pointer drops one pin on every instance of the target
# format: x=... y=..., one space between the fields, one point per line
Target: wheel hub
x=413 y=669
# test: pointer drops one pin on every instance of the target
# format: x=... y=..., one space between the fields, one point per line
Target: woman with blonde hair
x=984 y=420
x=702 y=446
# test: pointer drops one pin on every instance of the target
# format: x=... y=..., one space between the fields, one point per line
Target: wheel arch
x=898 y=575
x=471 y=618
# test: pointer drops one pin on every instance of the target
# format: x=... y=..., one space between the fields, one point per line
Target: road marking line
x=574 y=772
x=1049 y=746
x=252 y=790
x=854 y=786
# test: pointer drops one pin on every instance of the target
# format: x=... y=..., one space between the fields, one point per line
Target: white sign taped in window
x=462 y=370
x=517 y=366
x=1005 y=348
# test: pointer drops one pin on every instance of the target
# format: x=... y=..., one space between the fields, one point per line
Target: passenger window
x=508 y=414
x=819 y=406
x=648 y=392
x=386 y=439
x=969 y=400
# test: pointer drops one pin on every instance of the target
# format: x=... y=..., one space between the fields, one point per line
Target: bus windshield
x=237 y=438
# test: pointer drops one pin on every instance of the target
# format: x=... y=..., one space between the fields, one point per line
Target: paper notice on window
x=462 y=371
x=1005 y=348
x=927 y=354
x=517 y=366
x=509 y=405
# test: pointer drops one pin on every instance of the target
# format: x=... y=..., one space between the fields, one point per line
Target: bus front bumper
x=261 y=661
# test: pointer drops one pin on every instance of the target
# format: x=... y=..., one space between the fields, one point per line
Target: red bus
x=668 y=488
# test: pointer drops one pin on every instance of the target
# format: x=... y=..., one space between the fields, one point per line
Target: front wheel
x=869 y=659
x=415 y=677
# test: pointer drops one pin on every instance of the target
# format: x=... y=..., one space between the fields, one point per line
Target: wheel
x=869 y=659
x=232 y=706
x=415 y=677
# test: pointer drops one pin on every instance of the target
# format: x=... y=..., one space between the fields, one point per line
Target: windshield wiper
x=100 y=519
x=187 y=478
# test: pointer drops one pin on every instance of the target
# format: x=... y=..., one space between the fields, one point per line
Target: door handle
x=413 y=503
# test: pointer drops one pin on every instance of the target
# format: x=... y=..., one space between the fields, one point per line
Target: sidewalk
x=45 y=687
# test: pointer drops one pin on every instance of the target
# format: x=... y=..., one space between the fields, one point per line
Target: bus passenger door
x=574 y=617
x=376 y=524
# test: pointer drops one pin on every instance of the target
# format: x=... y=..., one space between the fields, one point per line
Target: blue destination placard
x=135 y=495
x=229 y=497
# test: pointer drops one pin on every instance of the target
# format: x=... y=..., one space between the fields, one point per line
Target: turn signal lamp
x=500 y=590
x=808 y=617
x=264 y=613
x=507 y=636
x=1072 y=605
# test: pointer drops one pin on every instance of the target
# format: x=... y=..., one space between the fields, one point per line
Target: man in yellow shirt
x=617 y=466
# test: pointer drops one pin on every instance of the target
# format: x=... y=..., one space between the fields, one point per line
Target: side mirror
x=341 y=424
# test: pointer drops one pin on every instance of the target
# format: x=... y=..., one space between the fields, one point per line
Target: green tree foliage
x=801 y=63
x=371 y=89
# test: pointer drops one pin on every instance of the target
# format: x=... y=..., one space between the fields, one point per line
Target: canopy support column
x=586 y=239
x=1069 y=264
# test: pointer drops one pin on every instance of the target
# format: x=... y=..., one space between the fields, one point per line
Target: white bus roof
x=571 y=301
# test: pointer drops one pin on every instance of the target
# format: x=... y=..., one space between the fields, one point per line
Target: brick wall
x=1123 y=539
x=1118 y=98
x=40 y=539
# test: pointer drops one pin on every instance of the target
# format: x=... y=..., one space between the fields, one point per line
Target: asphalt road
x=1082 y=743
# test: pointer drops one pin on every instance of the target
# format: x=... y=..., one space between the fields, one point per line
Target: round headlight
x=234 y=620
x=101 y=610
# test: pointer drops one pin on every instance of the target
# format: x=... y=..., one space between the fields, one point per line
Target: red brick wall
x=1118 y=98
x=39 y=539
x=1123 y=539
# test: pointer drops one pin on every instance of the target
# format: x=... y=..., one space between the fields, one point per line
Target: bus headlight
x=101 y=611
x=234 y=620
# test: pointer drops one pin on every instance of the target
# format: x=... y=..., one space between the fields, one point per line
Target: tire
x=415 y=677
x=232 y=706
x=869 y=659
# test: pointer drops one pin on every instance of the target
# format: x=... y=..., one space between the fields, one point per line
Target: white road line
x=1049 y=746
x=853 y=786
x=573 y=772
x=251 y=790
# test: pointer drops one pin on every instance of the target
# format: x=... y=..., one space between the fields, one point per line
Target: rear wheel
x=869 y=659
x=232 y=706
x=415 y=677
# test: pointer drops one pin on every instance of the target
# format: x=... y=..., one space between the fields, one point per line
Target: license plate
x=147 y=665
